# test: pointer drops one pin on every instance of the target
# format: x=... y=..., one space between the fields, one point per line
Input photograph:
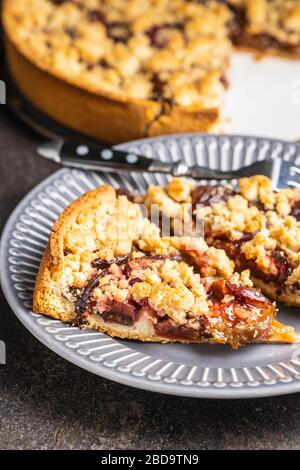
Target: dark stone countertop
x=48 y=403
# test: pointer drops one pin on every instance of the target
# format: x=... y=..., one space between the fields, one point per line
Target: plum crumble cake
x=121 y=69
x=267 y=25
x=258 y=228
x=108 y=267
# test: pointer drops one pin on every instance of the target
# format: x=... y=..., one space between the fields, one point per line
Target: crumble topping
x=258 y=227
x=171 y=51
x=287 y=234
x=279 y=19
x=110 y=230
x=293 y=281
x=185 y=289
x=233 y=218
x=156 y=197
x=179 y=189
x=181 y=300
x=173 y=288
x=259 y=249
x=259 y=188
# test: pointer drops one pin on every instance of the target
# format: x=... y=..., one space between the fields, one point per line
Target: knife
x=98 y=157
x=108 y=159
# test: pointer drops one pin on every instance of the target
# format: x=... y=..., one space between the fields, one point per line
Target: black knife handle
x=85 y=154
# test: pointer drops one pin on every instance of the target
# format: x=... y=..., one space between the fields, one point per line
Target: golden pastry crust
x=107 y=267
x=48 y=289
x=258 y=227
x=100 y=117
x=162 y=70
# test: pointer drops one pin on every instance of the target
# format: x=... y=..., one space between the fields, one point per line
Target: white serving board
x=263 y=98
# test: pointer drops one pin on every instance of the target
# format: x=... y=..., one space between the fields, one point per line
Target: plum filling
x=158 y=86
x=237 y=24
x=242 y=295
x=248 y=296
x=158 y=90
x=118 y=31
x=59 y=2
x=207 y=195
x=141 y=263
x=96 y=16
x=71 y=32
x=284 y=270
x=126 y=313
x=279 y=261
x=159 y=34
x=296 y=287
x=296 y=211
x=169 y=329
x=125 y=192
x=266 y=42
x=237 y=314
x=83 y=302
x=247 y=318
x=104 y=264
x=262 y=42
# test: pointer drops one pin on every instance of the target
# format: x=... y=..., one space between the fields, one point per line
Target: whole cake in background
x=124 y=69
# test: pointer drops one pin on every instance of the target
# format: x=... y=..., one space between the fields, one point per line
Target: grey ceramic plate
x=190 y=370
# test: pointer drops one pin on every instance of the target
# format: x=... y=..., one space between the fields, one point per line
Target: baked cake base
x=93 y=115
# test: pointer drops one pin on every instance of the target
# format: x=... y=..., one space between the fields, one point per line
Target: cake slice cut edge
x=271 y=28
